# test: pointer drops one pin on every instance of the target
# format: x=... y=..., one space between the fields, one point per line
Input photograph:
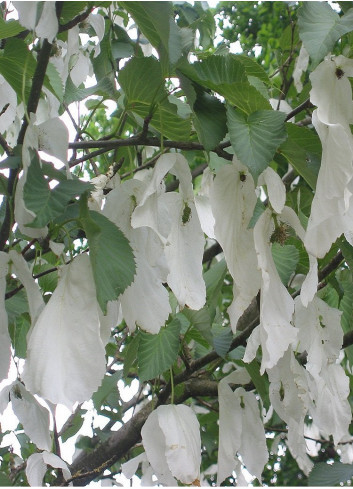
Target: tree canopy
x=176 y=219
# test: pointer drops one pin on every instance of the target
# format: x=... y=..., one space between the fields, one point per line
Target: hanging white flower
x=289 y=396
x=203 y=204
x=300 y=66
x=174 y=218
x=37 y=465
x=65 y=353
x=5 y=340
x=241 y=431
x=171 y=439
x=331 y=211
x=8 y=104
x=233 y=200
x=46 y=25
x=33 y=416
x=275 y=332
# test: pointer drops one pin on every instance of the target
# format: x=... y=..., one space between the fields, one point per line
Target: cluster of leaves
x=112 y=280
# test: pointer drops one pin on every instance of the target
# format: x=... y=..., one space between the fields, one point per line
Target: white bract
x=171 y=438
x=233 y=201
x=241 y=431
x=37 y=465
x=275 y=332
x=33 y=417
x=331 y=211
x=65 y=353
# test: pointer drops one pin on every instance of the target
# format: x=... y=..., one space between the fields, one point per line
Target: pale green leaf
x=320 y=27
x=75 y=425
x=200 y=320
x=214 y=278
x=324 y=474
x=255 y=138
x=156 y=353
x=286 y=259
x=111 y=256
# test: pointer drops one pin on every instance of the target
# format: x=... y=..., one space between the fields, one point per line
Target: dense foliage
x=190 y=237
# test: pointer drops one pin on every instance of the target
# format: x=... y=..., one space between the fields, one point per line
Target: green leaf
x=18 y=332
x=210 y=120
x=302 y=149
x=324 y=474
x=227 y=76
x=47 y=204
x=256 y=138
x=156 y=353
x=165 y=120
x=108 y=386
x=222 y=339
x=5 y=480
x=155 y=19
x=142 y=81
x=194 y=334
x=259 y=381
x=200 y=320
x=122 y=49
x=258 y=210
x=320 y=27
x=10 y=28
x=130 y=354
x=11 y=162
x=71 y=9
x=104 y=87
x=75 y=425
x=17 y=304
x=49 y=281
x=214 y=278
x=111 y=256
x=17 y=66
x=55 y=81
x=286 y=259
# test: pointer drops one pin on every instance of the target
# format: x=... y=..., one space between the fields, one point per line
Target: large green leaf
x=324 y=474
x=155 y=19
x=48 y=203
x=104 y=87
x=214 y=278
x=286 y=259
x=302 y=149
x=156 y=353
x=209 y=113
x=111 y=256
x=142 y=81
x=165 y=120
x=10 y=28
x=255 y=138
x=17 y=66
x=227 y=76
x=320 y=27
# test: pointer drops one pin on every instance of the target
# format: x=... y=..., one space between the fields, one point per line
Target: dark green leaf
x=71 y=9
x=286 y=259
x=18 y=332
x=155 y=19
x=10 y=28
x=55 y=81
x=5 y=480
x=130 y=354
x=75 y=426
x=111 y=255
x=47 y=204
x=302 y=149
x=256 y=138
x=320 y=27
x=200 y=320
x=122 y=49
x=210 y=120
x=259 y=381
x=214 y=278
x=324 y=474
x=109 y=385
x=156 y=353
x=222 y=339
